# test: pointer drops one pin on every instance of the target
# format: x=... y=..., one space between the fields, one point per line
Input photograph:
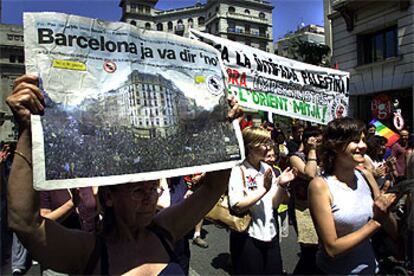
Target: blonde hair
x=254 y=136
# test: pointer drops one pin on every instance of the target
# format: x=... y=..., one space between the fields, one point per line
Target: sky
x=287 y=14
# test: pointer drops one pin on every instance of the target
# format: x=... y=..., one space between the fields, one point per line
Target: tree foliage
x=309 y=52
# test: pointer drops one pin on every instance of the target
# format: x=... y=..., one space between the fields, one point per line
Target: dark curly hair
x=374 y=143
x=336 y=136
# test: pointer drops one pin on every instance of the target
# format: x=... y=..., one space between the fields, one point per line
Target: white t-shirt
x=263 y=226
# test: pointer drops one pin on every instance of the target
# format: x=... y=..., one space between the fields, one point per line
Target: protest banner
x=267 y=82
x=123 y=104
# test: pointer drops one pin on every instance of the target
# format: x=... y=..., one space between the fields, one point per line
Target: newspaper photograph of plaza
x=148 y=124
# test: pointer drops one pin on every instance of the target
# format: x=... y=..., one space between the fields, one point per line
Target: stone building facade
x=11 y=66
x=245 y=21
x=374 y=41
x=150 y=103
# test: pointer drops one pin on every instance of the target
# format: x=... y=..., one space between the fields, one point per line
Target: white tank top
x=351 y=209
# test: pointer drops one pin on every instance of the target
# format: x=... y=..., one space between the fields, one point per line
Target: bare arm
x=390 y=223
x=52 y=245
x=165 y=198
x=247 y=202
x=306 y=170
x=320 y=201
x=282 y=195
x=181 y=218
x=58 y=214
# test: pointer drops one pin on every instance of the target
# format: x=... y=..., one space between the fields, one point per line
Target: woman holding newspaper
x=133 y=240
x=254 y=188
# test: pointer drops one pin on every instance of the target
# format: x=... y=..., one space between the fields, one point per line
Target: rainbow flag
x=384 y=131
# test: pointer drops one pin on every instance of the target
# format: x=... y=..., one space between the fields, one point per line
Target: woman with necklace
x=346 y=208
x=254 y=188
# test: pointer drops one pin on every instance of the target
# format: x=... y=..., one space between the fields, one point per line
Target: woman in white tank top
x=341 y=203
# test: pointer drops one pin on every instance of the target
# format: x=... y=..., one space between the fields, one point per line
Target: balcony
x=247 y=33
x=179 y=29
x=339 y=3
x=247 y=17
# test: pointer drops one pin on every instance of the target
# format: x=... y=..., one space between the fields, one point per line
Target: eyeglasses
x=139 y=193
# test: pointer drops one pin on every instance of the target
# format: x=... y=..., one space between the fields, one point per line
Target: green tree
x=309 y=52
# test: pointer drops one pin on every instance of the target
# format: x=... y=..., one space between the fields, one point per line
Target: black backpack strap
x=163 y=235
x=99 y=253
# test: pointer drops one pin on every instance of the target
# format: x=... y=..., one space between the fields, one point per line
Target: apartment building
x=245 y=21
x=374 y=41
x=11 y=66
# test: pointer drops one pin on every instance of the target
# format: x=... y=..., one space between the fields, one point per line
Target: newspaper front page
x=267 y=82
x=123 y=104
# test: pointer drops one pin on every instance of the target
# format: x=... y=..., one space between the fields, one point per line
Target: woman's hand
x=26 y=99
x=383 y=204
x=4 y=153
x=312 y=142
x=236 y=112
x=380 y=171
x=267 y=179
x=286 y=176
x=198 y=178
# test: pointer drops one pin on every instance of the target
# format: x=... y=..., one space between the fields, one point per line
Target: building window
x=170 y=25
x=159 y=27
x=12 y=59
x=148 y=26
x=247 y=29
x=133 y=22
x=133 y=7
x=232 y=9
x=190 y=22
x=262 y=15
x=246 y=11
x=217 y=9
x=147 y=9
x=201 y=21
x=377 y=46
x=262 y=32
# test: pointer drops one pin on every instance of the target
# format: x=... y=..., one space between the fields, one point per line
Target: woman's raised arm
x=49 y=243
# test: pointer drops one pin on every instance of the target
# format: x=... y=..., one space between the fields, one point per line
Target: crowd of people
x=330 y=183
x=75 y=148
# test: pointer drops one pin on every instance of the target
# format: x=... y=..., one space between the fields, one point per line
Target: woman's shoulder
x=318 y=183
x=265 y=165
x=298 y=154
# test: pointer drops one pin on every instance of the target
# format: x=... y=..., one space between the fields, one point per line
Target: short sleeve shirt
x=263 y=226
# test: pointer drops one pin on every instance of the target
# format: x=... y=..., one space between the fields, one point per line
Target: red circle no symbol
x=109 y=66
